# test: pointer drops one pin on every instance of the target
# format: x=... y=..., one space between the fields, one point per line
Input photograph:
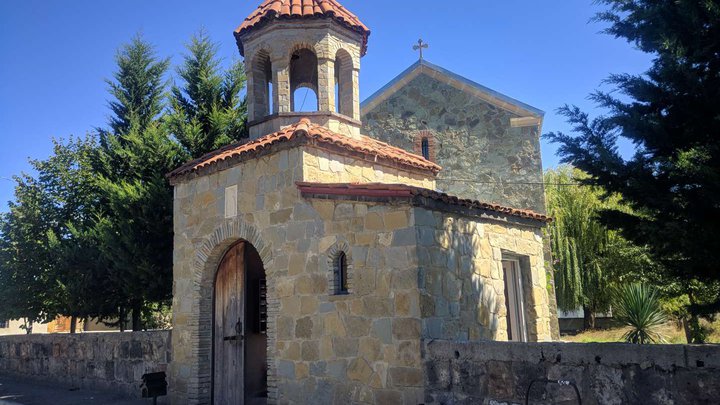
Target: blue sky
x=55 y=55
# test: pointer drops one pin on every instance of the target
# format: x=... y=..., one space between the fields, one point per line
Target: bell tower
x=293 y=48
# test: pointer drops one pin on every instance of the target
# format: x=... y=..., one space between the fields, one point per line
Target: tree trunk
x=28 y=327
x=589 y=319
x=686 y=328
x=121 y=321
x=696 y=332
x=73 y=324
x=86 y=322
x=136 y=319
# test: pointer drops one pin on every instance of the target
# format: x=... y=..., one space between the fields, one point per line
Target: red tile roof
x=270 y=9
x=317 y=134
x=379 y=190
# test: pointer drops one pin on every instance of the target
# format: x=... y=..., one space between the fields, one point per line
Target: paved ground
x=14 y=391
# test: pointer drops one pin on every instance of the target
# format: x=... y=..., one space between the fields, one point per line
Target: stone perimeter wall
x=499 y=373
x=113 y=361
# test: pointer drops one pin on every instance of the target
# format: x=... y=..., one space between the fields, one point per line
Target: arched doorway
x=240 y=328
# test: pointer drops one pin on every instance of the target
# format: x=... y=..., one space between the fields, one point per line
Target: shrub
x=638 y=306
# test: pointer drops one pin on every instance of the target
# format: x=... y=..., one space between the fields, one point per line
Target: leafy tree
x=671 y=115
x=207 y=112
x=589 y=258
x=40 y=281
x=68 y=184
x=25 y=282
x=135 y=229
x=638 y=306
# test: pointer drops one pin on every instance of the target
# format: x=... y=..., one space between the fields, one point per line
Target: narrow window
x=3 y=324
x=426 y=148
x=337 y=97
x=341 y=274
x=514 y=301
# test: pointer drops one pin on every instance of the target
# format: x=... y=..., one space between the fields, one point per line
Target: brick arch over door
x=207 y=260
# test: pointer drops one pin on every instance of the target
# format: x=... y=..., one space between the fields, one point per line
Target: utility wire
x=524 y=183
x=307 y=90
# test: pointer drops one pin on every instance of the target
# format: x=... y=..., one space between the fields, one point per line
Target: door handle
x=239 y=333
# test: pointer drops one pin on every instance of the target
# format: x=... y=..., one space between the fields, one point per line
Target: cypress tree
x=207 y=111
x=136 y=229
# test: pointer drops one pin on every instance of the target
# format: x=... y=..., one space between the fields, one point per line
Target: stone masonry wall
x=266 y=197
x=474 y=142
x=361 y=347
x=113 y=361
x=461 y=278
x=321 y=166
x=499 y=373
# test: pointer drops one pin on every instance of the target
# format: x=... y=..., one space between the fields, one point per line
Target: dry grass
x=672 y=333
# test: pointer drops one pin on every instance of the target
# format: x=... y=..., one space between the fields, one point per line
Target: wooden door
x=228 y=374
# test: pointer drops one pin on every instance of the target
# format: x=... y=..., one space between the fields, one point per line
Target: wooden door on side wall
x=228 y=369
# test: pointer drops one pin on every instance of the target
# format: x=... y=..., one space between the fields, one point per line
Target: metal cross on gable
x=420 y=46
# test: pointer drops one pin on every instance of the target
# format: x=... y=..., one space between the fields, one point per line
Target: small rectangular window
x=4 y=324
x=514 y=301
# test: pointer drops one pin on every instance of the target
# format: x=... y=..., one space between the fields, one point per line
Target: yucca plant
x=638 y=306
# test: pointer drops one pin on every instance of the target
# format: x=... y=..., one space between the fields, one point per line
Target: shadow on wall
x=462 y=283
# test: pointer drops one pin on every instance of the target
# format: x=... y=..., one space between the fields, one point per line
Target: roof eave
x=421 y=197
x=241 y=31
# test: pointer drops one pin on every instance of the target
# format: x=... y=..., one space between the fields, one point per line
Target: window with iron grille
x=426 y=148
x=341 y=274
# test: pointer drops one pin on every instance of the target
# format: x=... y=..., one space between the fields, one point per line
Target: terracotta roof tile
x=271 y=9
x=306 y=129
x=402 y=190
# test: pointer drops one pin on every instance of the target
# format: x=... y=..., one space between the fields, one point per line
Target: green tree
x=138 y=87
x=207 y=112
x=38 y=230
x=588 y=257
x=135 y=228
x=68 y=184
x=25 y=282
x=671 y=115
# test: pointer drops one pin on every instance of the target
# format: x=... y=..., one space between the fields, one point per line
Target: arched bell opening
x=304 y=77
x=262 y=91
x=344 y=87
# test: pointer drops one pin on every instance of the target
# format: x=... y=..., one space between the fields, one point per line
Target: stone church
x=313 y=260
